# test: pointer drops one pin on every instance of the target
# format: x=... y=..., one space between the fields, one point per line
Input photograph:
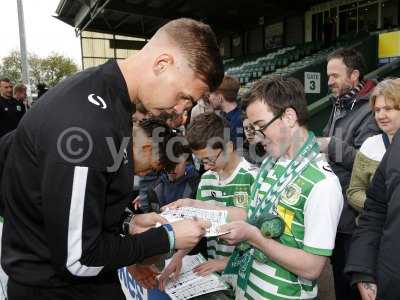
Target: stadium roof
x=141 y=18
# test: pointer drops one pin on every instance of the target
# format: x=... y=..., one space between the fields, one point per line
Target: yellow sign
x=389 y=44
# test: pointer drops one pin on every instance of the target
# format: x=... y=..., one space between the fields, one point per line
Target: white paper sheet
x=189 y=284
x=215 y=217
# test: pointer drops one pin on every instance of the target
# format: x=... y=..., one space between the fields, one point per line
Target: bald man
x=67 y=179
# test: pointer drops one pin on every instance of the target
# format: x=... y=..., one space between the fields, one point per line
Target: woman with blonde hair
x=385 y=103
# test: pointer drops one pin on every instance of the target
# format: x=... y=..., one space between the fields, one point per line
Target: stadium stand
x=288 y=60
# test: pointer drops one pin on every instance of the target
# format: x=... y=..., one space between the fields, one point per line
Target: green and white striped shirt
x=311 y=208
x=232 y=191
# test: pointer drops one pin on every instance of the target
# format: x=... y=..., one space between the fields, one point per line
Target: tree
x=49 y=70
x=11 y=67
x=56 y=67
x=35 y=69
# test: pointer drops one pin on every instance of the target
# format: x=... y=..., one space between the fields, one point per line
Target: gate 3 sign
x=312 y=82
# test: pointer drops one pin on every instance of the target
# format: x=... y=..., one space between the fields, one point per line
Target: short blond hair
x=19 y=88
x=390 y=89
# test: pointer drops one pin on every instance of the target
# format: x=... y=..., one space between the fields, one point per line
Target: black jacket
x=164 y=192
x=349 y=129
x=64 y=200
x=11 y=112
x=5 y=145
x=375 y=249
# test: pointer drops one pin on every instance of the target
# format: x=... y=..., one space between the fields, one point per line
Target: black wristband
x=126 y=224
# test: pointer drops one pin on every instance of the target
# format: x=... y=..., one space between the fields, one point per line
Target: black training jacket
x=11 y=112
x=5 y=145
x=375 y=249
x=64 y=198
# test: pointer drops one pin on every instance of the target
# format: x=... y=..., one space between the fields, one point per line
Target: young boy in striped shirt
x=226 y=182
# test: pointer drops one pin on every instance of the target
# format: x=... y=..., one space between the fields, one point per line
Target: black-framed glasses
x=249 y=129
x=259 y=132
x=209 y=161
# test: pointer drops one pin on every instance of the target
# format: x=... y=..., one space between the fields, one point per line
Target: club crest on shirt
x=240 y=199
x=291 y=195
x=19 y=108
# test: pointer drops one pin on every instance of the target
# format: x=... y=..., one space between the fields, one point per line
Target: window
x=347 y=21
x=368 y=18
x=390 y=14
x=317 y=27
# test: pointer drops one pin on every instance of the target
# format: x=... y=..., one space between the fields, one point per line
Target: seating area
x=284 y=61
x=271 y=62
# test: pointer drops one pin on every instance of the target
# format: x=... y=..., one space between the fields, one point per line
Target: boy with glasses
x=289 y=232
x=296 y=189
x=226 y=183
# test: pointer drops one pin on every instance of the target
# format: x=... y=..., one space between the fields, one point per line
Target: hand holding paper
x=211 y=266
x=238 y=231
x=189 y=232
x=189 y=284
x=186 y=202
x=144 y=222
x=216 y=218
x=172 y=270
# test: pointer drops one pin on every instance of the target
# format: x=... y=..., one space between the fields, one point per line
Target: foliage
x=48 y=70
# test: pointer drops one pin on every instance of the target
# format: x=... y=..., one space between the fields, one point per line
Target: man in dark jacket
x=350 y=124
x=225 y=100
x=11 y=110
x=374 y=261
x=67 y=178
